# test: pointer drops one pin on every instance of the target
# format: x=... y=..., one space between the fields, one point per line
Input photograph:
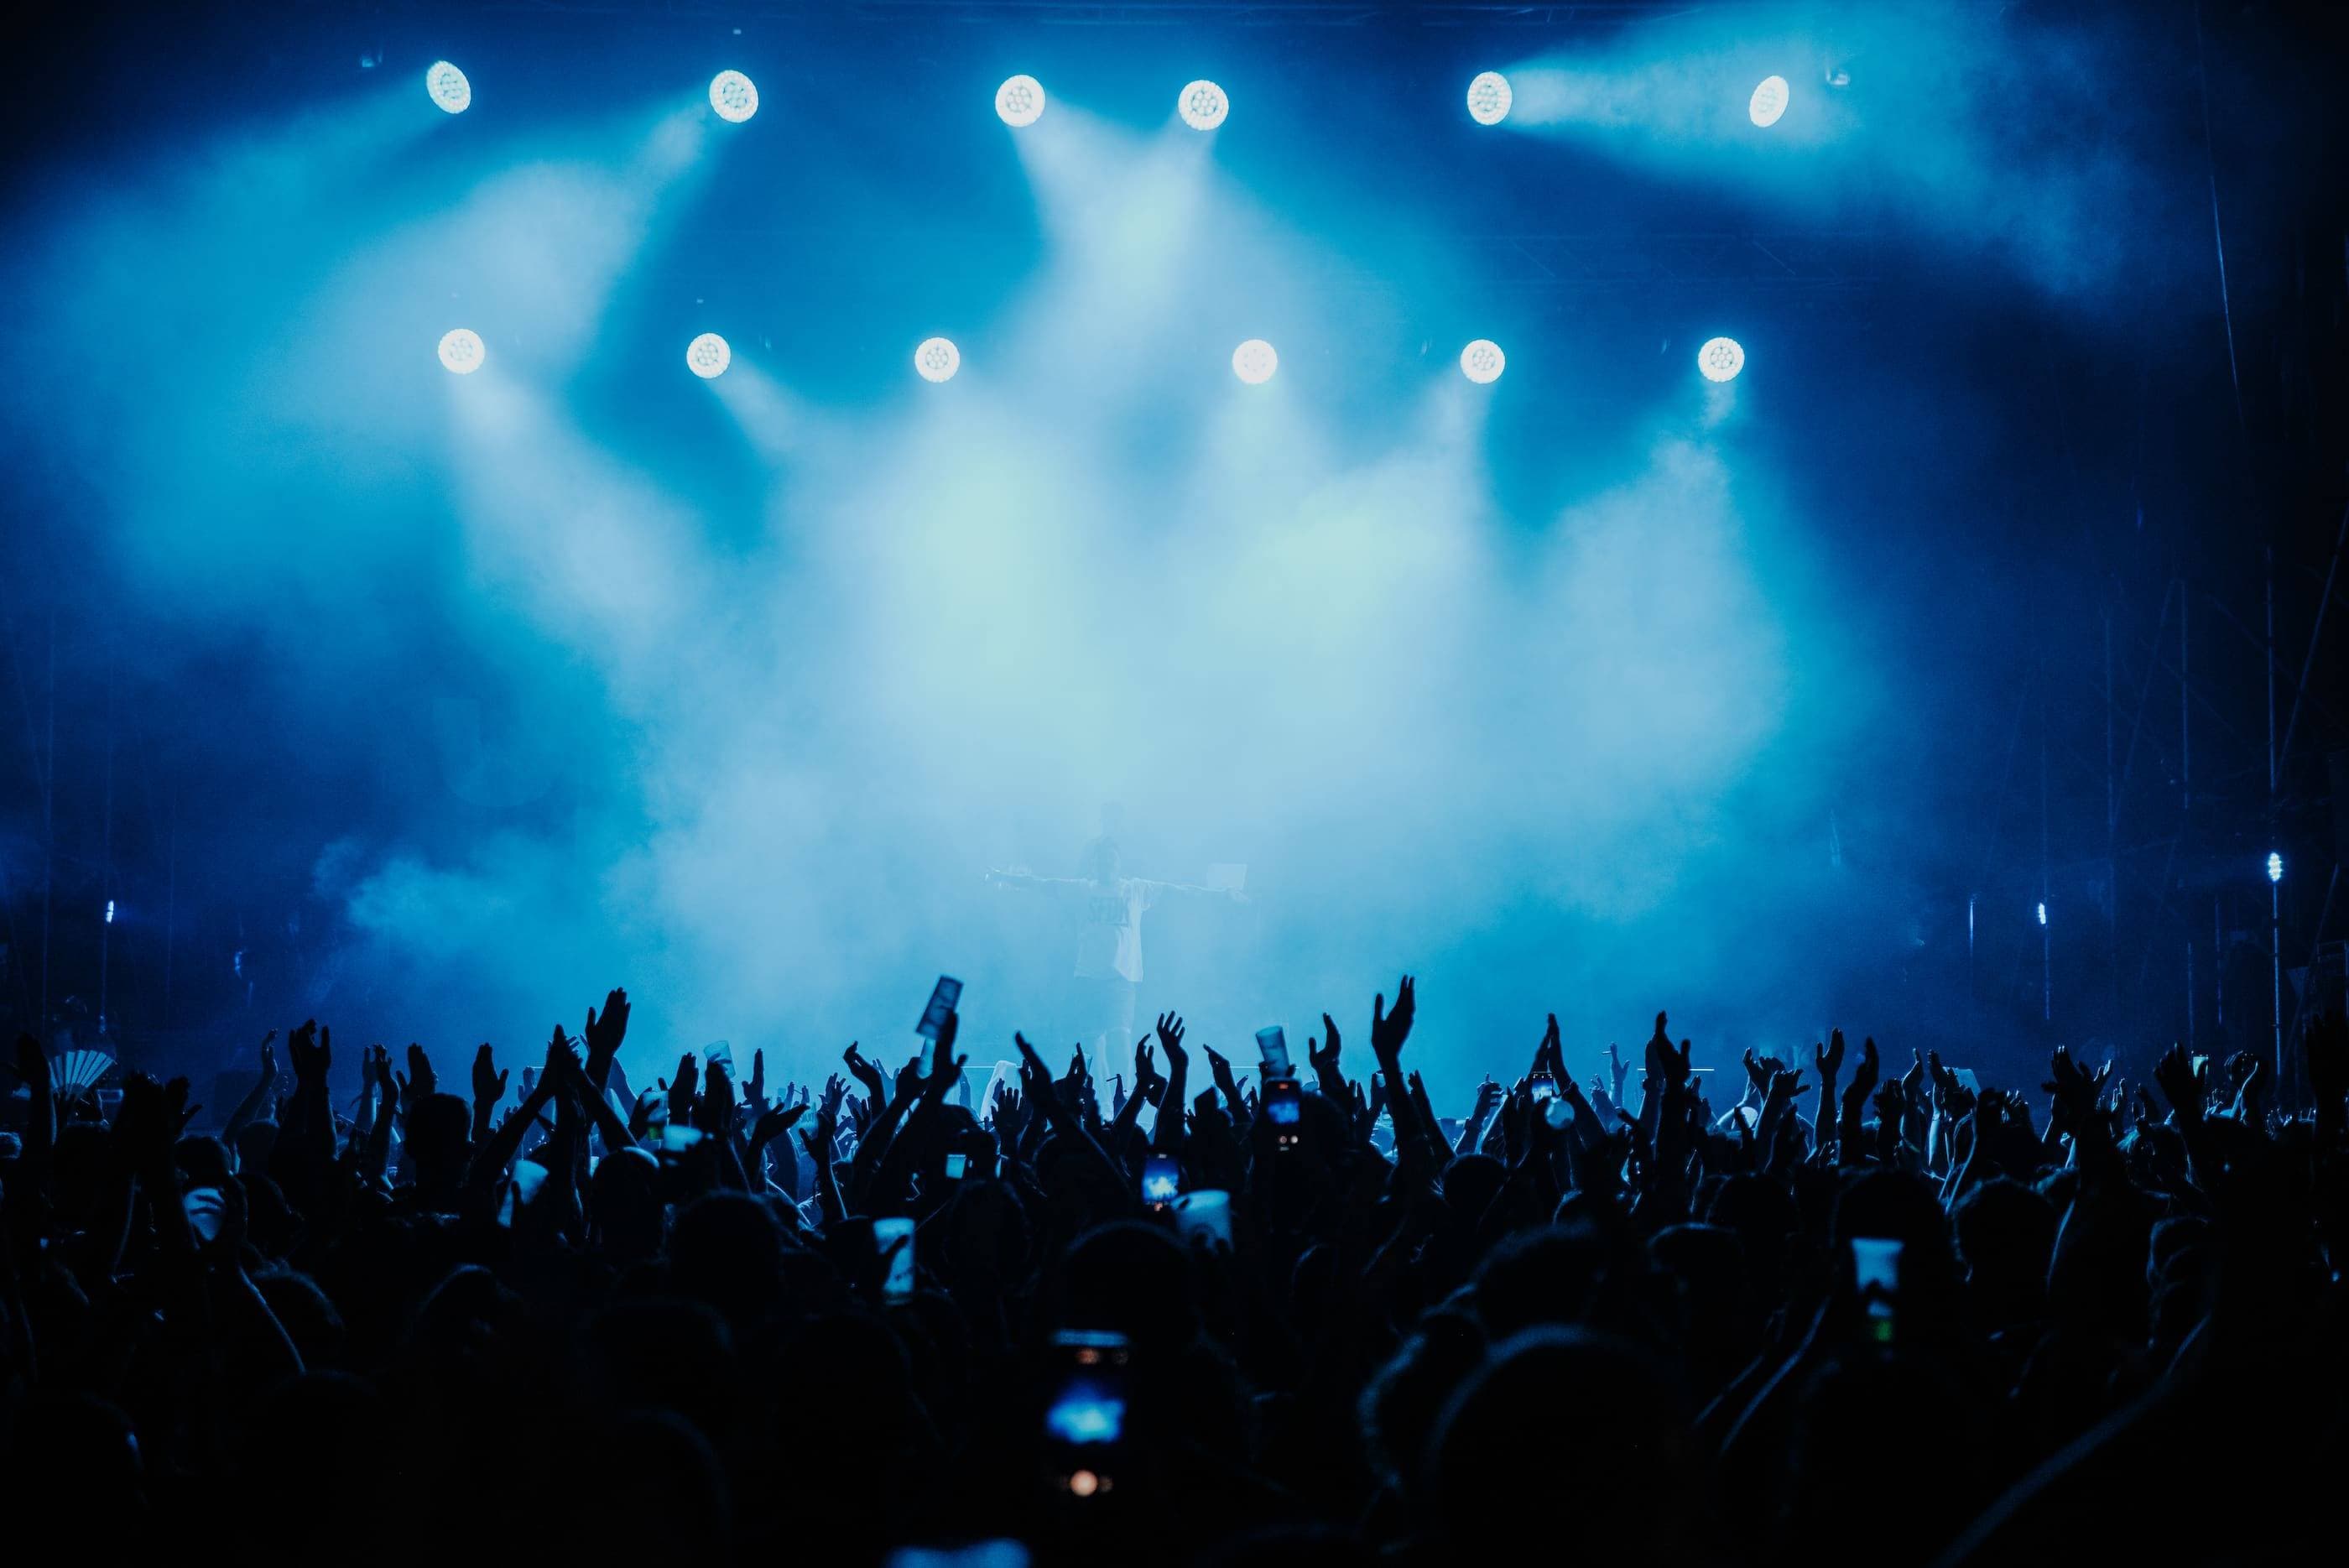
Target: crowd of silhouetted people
x=1165 y=1311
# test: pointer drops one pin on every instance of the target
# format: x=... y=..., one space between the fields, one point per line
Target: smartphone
x=943 y=997
x=1162 y=1180
x=675 y=1140
x=1205 y=1214
x=886 y=1233
x=1084 y=1413
x=955 y=1165
x=1876 y=1276
x=1284 y=1107
x=1272 y=1048
x=204 y=1206
x=718 y=1053
x=1544 y=1087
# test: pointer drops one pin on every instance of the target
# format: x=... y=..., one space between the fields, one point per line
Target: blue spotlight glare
x=1768 y=102
x=110 y=911
x=937 y=360
x=1254 y=362
x=2042 y=913
x=461 y=350
x=1203 y=105
x=1721 y=358
x=1489 y=97
x=733 y=96
x=448 y=87
x=707 y=356
x=1483 y=361
x=2275 y=866
x=1019 y=100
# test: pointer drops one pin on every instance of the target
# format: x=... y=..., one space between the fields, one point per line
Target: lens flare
x=937 y=360
x=733 y=96
x=1019 y=100
x=448 y=87
x=1489 y=97
x=707 y=356
x=1254 y=362
x=461 y=350
x=1483 y=361
x=1203 y=105
x=1721 y=358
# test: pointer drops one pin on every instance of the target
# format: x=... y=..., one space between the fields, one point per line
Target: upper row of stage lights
x=1020 y=100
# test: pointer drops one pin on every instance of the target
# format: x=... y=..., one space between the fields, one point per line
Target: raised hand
x=603 y=1033
x=682 y=1088
x=755 y=1092
x=2174 y=1077
x=2074 y=1087
x=151 y=1118
x=312 y=1051
x=1618 y=1070
x=864 y=1072
x=420 y=1080
x=1828 y=1059
x=1671 y=1066
x=1170 y=1039
x=268 y=1059
x=1390 y=1030
x=772 y=1124
x=375 y=1073
x=1322 y=1054
x=489 y=1081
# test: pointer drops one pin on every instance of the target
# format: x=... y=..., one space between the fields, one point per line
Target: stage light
x=2275 y=866
x=707 y=356
x=1483 y=361
x=937 y=360
x=1254 y=362
x=1019 y=100
x=448 y=87
x=1489 y=97
x=1721 y=358
x=733 y=96
x=461 y=350
x=2043 y=914
x=1768 y=102
x=110 y=911
x=1203 y=105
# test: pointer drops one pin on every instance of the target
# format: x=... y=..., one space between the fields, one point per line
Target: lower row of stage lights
x=936 y=359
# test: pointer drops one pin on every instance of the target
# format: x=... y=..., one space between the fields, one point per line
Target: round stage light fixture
x=707 y=356
x=734 y=95
x=448 y=87
x=2275 y=868
x=1768 y=102
x=1483 y=361
x=1254 y=362
x=1019 y=100
x=1203 y=105
x=937 y=360
x=1721 y=358
x=1489 y=97
x=461 y=350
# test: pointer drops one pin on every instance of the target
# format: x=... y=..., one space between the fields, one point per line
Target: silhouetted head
x=1565 y=1424
x=439 y=1140
x=1544 y=1276
x=1101 y=860
x=726 y=1250
x=624 y=1197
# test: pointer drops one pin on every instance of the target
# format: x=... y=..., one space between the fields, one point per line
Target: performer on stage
x=1109 y=943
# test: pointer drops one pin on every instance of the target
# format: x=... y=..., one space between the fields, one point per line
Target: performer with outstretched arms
x=1109 y=943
